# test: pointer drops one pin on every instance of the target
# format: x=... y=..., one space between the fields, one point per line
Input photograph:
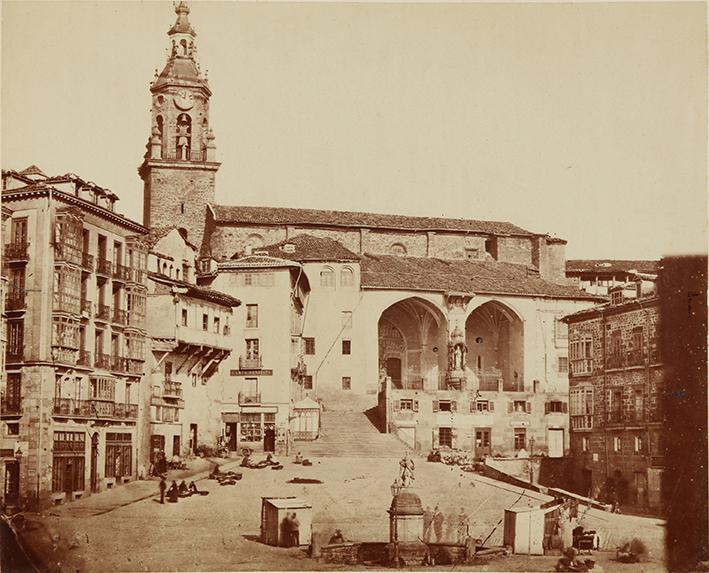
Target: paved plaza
x=220 y=531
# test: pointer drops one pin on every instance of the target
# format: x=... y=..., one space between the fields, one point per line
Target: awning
x=230 y=417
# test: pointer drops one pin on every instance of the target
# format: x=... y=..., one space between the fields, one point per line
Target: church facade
x=449 y=328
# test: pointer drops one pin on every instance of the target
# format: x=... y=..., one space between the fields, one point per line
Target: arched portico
x=495 y=338
x=413 y=335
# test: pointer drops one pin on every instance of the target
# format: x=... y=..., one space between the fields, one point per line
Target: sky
x=585 y=121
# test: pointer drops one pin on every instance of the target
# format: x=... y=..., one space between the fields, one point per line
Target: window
x=482 y=406
x=563 y=364
x=103 y=389
x=309 y=345
x=346 y=347
x=617 y=444
x=168 y=371
x=185 y=272
x=397 y=249
x=582 y=355
x=205 y=321
x=327 y=278
x=251 y=316
x=250 y=390
x=307 y=382
x=585 y=441
x=251 y=427
x=347 y=277
x=615 y=406
x=445 y=406
x=346 y=383
x=184 y=317
x=13 y=392
x=520 y=407
x=556 y=406
x=472 y=254
x=252 y=348
x=636 y=356
x=248 y=279
x=194 y=380
x=118 y=454
x=638 y=445
x=445 y=437
x=15 y=338
x=615 y=357
x=617 y=297
x=346 y=319
x=216 y=325
x=520 y=438
x=638 y=403
x=407 y=404
x=561 y=330
x=12 y=429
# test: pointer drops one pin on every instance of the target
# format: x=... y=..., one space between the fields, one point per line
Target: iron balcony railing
x=65 y=252
x=104 y=267
x=10 y=406
x=15 y=299
x=66 y=302
x=121 y=272
x=102 y=361
x=94 y=409
x=581 y=366
x=135 y=365
x=173 y=155
x=64 y=355
x=16 y=251
x=86 y=307
x=582 y=422
x=249 y=363
x=84 y=358
x=120 y=316
x=15 y=354
x=250 y=398
x=103 y=312
x=119 y=364
x=172 y=390
x=87 y=262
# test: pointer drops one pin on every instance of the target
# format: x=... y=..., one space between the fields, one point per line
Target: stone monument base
x=411 y=553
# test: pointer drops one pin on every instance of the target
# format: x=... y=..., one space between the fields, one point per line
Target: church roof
x=196 y=291
x=256 y=261
x=466 y=276
x=32 y=170
x=309 y=248
x=182 y=24
x=291 y=216
x=184 y=69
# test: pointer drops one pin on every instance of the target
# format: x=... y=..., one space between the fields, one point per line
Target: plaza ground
x=127 y=529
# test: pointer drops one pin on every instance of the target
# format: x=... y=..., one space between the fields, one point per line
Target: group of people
x=268 y=462
x=433 y=520
x=174 y=492
x=159 y=465
x=290 y=530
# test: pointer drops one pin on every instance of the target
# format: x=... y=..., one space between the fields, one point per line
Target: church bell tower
x=179 y=165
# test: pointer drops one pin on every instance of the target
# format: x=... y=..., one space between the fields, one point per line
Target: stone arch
x=347 y=277
x=327 y=277
x=398 y=249
x=255 y=241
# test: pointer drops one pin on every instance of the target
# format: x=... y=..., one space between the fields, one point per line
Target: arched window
x=183 y=137
x=177 y=274
x=159 y=123
x=327 y=278
x=255 y=241
x=171 y=269
x=347 y=277
x=164 y=268
x=397 y=249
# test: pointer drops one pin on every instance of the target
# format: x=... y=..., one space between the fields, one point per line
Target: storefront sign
x=519 y=423
x=252 y=372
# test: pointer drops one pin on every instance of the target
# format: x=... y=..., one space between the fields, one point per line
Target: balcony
x=86 y=308
x=15 y=354
x=615 y=417
x=84 y=358
x=64 y=252
x=172 y=390
x=252 y=363
x=16 y=252
x=104 y=267
x=87 y=262
x=120 y=316
x=94 y=409
x=121 y=272
x=489 y=380
x=103 y=312
x=102 y=361
x=65 y=302
x=635 y=358
x=135 y=319
x=250 y=398
x=614 y=361
x=173 y=155
x=119 y=364
x=135 y=365
x=64 y=355
x=582 y=422
x=136 y=276
x=15 y=299
x=581 y=366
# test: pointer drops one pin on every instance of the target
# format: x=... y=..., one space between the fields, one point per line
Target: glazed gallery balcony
x=16 y=251
x=68 y=407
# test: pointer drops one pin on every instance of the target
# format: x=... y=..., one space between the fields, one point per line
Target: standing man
x=427 y=521
x=438 y=519
x=163 y=487
x=295 y=531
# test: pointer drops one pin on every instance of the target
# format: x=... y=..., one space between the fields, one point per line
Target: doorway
x=556 y=442
x=176 y=445
x=231 y=436
x=483 y=442
x=94 y=462
x=157 y=444
x=193 y=437
x=393 y=366
x=12 y=482
x=640 y=489
x=586 y=482
x=269 y=440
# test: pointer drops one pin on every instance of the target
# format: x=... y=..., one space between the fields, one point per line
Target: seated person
x=337 y=538
x=192 y=488
x=183 y=490
x=175 y=462
x=215 y=472
x=569 y=562
x=173 y=493
x=246 y=461
x=625 y=555
x=298 y=458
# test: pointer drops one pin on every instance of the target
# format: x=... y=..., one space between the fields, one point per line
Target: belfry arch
x=412 y=336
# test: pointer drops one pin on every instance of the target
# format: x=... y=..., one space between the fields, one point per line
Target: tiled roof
x=256 y=261
x=197 y=291
x=437 y=275
x=291 y=216
x=309 y=248
x=611 y=265
x=157 y=233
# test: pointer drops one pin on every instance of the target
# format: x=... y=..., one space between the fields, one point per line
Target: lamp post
x=531 y=463
x=395 y=489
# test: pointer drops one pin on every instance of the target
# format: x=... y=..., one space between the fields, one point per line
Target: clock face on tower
x=184 y=100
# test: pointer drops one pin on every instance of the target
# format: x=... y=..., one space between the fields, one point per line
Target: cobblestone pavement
x=220 y=531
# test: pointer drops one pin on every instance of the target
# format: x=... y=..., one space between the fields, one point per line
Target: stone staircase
x=350 y=434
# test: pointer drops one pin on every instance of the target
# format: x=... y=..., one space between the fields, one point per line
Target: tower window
x=182 y=208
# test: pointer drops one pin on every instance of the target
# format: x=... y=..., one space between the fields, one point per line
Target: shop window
x=118 y=455
x=251 y=428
